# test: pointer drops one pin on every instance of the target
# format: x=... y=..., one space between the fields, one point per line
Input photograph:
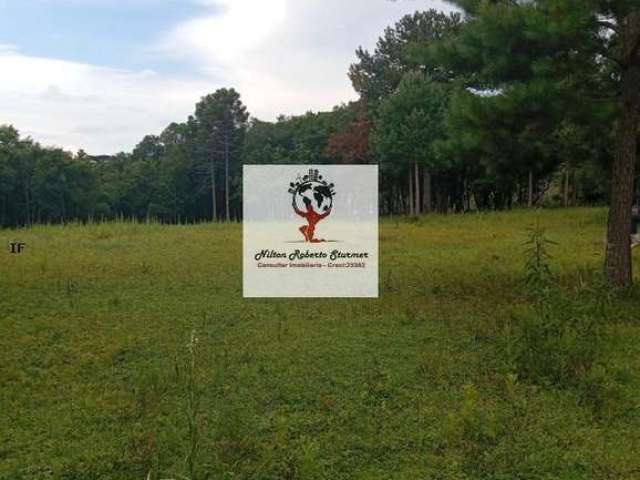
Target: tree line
x=505 y=104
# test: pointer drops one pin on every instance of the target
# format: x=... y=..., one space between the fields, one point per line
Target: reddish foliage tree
x=351 y=146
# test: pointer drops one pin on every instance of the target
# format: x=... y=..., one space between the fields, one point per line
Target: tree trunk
x=466 y=196
x=427 y=191
x=530 y=190
x=410 y=202
x=418 y=201
x=214 y=204
x=565 y=192
x=618 y=257
x=226 y=176
x=27 y=194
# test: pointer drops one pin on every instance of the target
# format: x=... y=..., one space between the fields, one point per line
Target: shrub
x=560 y=341
x=473 y=430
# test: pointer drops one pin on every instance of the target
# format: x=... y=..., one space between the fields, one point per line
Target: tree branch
x=608 y=25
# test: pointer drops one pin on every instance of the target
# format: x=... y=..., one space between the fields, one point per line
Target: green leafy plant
x=472 y=429
x=188 y=376
x=538 y=278
x=561 y=341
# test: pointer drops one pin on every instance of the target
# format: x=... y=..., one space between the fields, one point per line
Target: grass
x=97 y=379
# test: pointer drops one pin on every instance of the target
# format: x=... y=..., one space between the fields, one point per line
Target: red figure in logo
x=313 y=218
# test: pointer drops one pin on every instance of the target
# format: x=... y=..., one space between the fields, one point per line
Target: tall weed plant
x=560 y=341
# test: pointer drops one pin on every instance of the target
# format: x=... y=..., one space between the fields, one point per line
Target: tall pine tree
x=589 y=50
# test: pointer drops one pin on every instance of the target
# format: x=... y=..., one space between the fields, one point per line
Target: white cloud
x=225 y=37
x=6 y=48
x=283 y=56
x=286 y=56
x=101 y=110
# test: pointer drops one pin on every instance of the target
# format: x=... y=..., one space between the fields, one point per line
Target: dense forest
x=505 y=104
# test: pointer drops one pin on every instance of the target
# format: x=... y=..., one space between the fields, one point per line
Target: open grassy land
x=456 y=372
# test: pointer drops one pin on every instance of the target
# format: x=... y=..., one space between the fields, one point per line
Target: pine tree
x=589 y=51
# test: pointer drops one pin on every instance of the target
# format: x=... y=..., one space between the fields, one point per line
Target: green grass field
x=96 y=377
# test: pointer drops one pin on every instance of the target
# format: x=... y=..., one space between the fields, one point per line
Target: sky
x=99 y=75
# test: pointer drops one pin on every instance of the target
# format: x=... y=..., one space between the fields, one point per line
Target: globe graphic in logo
x=312 y=193
x=315 y=195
